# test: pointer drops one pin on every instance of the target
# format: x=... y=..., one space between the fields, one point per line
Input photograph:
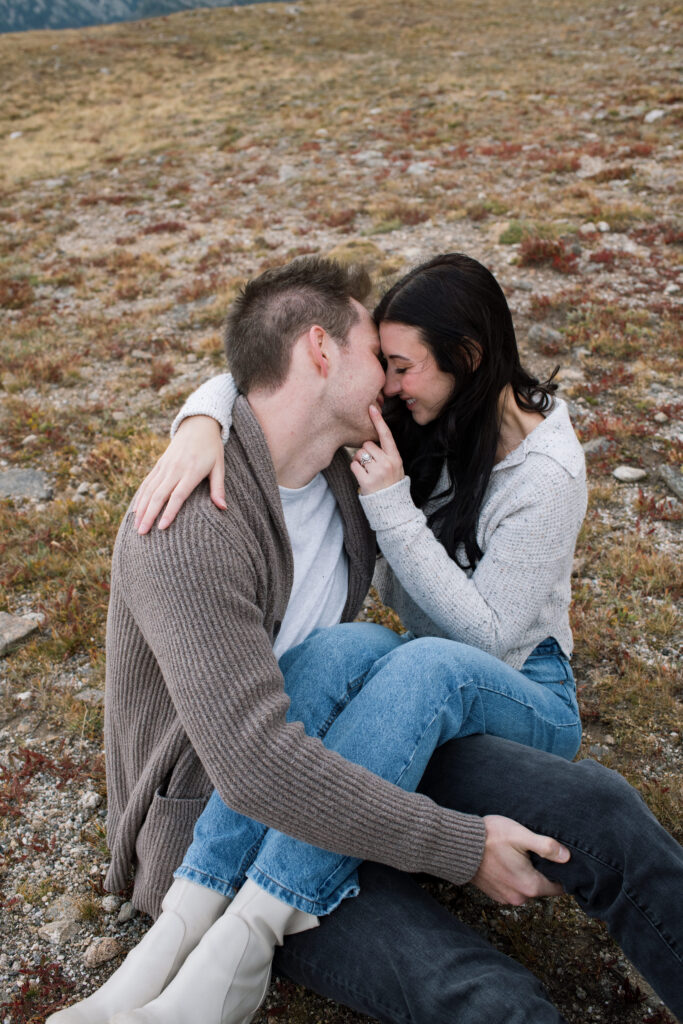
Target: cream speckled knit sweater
x=529 y=520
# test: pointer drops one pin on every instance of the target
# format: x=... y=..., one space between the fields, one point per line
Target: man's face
x=359 y=379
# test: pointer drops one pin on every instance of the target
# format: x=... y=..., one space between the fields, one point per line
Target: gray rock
x=653 y=115
x=596 y=446
x=629 y=474
x=660 y=417
x=90 y=800
x=90 y=695
x=598 y=749
x=126 y=913
x=419 y=168
x=287 y=173
x=144 y=357
x=110 y=904
x=24 y=483
x=12 y=629
x=59 y=932
x=370 y=158
x=543 y=333
x=101 y=950
x=673 y=479
x=589 y=166
x=570 y=374
x=64 y=908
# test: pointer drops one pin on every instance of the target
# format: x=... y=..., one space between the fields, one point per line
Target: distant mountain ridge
x=23 y=15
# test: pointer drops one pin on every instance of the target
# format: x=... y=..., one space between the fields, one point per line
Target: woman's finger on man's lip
x=386 y=438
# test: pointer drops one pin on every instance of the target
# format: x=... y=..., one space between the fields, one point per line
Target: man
x=195 y=699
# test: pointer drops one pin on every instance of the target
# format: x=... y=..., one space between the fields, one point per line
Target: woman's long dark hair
x=460 y=311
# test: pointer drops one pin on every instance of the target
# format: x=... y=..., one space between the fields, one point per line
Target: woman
x=478 y=542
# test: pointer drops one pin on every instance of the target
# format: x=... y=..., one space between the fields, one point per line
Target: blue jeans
x=396 y=954
x=386 y=702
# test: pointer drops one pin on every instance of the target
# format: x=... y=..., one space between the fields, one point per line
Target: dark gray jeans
x=394 y=953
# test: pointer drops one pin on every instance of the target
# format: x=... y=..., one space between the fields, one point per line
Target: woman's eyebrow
x=398 y=356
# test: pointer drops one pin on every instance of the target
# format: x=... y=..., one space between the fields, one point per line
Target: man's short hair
x=274 y=309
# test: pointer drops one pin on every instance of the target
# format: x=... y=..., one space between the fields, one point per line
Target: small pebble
x=629 y=474
x=660 y=417
x=126 y=913
x=673 y=478
x=101 y=950
x=59 y=932
x=596 y=445
x=89 y=801
x=110 y=904
x=543 y=333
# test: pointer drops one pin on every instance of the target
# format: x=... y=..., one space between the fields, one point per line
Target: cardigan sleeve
x=525 y=554
x=215 y=398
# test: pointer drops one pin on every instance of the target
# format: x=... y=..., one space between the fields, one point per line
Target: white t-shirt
x=321 y=571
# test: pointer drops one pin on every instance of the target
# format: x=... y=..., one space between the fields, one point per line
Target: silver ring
x=365 y=458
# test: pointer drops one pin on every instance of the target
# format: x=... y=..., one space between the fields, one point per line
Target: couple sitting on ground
x=237 y=706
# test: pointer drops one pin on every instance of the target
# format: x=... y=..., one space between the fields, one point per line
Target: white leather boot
x=226 y=979
x=188 y=911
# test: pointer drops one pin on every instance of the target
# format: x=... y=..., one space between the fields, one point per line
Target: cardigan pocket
x=162 y=841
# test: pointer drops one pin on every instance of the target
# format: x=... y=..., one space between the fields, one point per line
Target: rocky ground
x=149 y=168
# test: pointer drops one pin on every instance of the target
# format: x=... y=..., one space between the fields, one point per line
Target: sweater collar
x=248 y=430
x=553 y=437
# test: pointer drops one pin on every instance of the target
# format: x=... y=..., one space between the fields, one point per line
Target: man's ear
x=318 y=347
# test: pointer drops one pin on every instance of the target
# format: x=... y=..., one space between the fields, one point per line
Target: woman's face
x=412 y=372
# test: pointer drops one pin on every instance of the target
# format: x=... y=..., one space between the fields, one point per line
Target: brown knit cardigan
x=195 y=698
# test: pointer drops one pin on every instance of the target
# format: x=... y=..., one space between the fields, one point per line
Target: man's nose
x=391 y=387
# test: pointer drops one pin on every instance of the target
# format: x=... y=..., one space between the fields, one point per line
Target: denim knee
x=608 y=800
